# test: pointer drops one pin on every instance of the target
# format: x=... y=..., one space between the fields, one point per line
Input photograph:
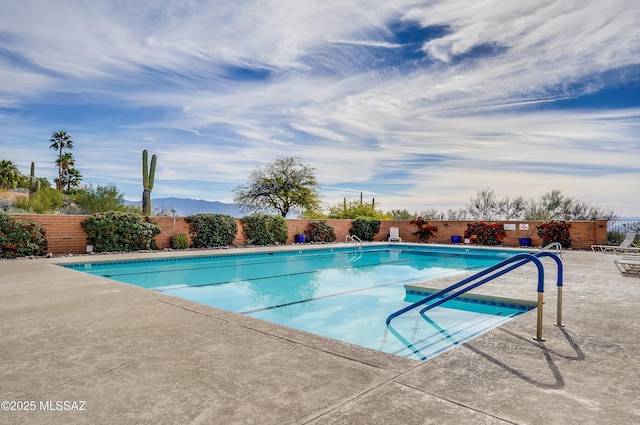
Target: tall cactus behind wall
x=148 y=176
x=34 y=184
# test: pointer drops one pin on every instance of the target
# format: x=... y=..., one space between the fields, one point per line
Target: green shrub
x=264 y=229
x=320 y=231
x=42 y=202
x=70 y=208
x=614 y=237
x=20 y=238
x=212 y=229
x=99 y=199
x=118 y=231
x=555 y=231
x=484 y=233
x=365 y=228
x=179 y=241
x=424 y=229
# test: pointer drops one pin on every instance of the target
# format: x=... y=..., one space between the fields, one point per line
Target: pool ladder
x=353 y=239
x=553 y=245
x=487 y=275
x=357 y=246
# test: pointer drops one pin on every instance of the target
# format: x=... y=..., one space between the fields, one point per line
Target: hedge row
x=118 y=231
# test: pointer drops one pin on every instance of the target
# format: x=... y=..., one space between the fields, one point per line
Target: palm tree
x=73 y=179
x=65 y=162
x=9 y=175
x=60 y=141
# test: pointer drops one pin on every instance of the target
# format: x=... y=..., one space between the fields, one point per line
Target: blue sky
x=418 y=104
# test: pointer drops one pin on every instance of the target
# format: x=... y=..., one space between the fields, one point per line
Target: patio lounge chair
x=625 y=246
x=394 y=234
x=629 y=264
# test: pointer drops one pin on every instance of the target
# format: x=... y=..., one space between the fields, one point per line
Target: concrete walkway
x=79 y=349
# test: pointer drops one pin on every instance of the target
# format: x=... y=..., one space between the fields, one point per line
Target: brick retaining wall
x=65 y=234
x=583 y=233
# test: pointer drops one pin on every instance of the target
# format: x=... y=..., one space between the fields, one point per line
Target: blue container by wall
x=525 y=241
x=456 y=239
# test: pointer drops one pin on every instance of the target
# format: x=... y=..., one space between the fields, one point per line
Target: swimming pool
x=343 y=293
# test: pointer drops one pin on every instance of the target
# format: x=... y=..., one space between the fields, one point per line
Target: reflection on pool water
x=341 y=293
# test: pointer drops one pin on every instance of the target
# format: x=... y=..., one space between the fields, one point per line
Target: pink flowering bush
x=484 y=233
x=424 y=229
x=555 y=231
x=320 y=231
x=20 y=238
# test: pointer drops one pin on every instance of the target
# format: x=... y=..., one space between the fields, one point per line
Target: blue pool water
x=341 y=293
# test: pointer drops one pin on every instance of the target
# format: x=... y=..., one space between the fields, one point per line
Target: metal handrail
x=559 y=282
x=556 y=245
x=354 y=239
x=357 y=254
x=499 y=269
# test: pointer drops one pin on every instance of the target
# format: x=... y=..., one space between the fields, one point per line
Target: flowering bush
x=320 y=231
x=425 y=230
x=20 y=238
x=117 y=231
x=484 y=233
x=555 y=231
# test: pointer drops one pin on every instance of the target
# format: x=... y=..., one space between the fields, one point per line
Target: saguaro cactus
x=148 y=176
x=34 y=184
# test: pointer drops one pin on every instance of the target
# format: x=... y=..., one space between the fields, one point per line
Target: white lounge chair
x=629 y=264
x=394 y=234
x=625 y=246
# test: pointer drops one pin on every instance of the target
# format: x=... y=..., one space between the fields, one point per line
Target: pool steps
x=483 y=277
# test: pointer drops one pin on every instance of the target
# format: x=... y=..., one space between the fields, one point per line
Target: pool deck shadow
x=128 y=355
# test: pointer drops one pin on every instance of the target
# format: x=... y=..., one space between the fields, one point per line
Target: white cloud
x=326 y=93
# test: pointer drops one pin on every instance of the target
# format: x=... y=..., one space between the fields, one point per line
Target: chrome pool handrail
x=353 y=239
x=556 y=245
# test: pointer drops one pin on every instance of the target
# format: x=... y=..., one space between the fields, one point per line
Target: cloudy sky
x=418 y=104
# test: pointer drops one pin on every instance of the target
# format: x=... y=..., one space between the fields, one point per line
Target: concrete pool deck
x=87 y=350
